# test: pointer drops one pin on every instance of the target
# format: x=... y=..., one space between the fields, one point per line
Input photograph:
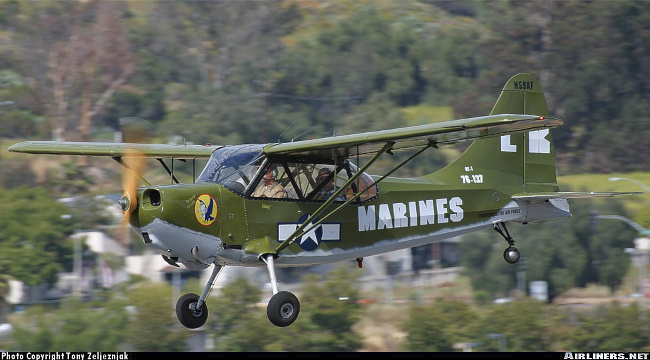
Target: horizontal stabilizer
x=545 y=196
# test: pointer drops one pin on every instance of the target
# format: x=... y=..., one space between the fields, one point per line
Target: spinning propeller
x=133 y=163
x=134 y=131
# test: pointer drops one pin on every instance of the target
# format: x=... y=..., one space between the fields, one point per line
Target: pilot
x=269 y=187
x=328 y=189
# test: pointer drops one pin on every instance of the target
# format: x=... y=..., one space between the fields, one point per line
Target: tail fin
x=523 y=162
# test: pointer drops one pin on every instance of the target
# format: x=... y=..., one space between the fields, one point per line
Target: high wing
x=114 y=150
x=437 y=134
x=443 y=133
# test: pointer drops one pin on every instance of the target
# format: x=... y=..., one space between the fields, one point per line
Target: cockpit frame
x=240 y=169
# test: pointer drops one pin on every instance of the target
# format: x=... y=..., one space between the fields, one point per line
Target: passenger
x=269 y=187
x=327 y=190
x=366 y=186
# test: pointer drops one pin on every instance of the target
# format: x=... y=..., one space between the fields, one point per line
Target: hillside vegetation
x=266 y=71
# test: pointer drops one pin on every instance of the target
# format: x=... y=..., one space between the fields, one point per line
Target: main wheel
x=283 y=309
x=188 y=314
x=511 y=255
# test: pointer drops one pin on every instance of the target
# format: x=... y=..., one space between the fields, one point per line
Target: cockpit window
x=233 y=166
x=312 y=181
x=245 y=170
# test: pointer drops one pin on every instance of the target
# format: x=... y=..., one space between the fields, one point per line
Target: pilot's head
x=269 y=175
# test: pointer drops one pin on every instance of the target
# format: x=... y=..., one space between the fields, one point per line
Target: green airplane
x=306 y=202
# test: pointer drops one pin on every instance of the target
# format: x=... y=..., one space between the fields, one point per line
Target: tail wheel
x=511 y=255
x=283 y=309
x=187 y=312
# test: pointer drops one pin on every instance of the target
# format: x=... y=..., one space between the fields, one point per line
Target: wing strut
x=318 y=211
x=169 y=171
x=118 y=159
x=300 y=231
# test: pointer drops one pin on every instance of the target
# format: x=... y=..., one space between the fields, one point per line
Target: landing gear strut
x=284 y=307
x=191 y=309
x=511 y=255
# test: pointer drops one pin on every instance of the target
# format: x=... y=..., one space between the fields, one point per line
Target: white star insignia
x=311 y=234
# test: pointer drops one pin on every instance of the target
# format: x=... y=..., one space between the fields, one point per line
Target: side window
x=285 y=177
x=311 y=182
x=363 y=188
x=366 y=186
x=269 y=185
x=328 y=181
x=300 y=180
x=283 y=180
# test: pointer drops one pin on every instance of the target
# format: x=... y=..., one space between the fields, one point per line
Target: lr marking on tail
x=537 y=143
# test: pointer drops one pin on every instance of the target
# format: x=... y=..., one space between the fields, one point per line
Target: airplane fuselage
x=237 y=230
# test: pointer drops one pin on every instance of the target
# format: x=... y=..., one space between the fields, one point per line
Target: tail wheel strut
x=511 y=255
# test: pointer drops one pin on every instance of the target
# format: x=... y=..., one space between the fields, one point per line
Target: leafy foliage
x=150 y=327
x=617 y=326
x=324 y=324
x=437 y=326
x=526 y=325
x=42 y=247
x=276 y=71
x=566 y=253
x=76 y=326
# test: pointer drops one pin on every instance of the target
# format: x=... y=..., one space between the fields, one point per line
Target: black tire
x=187 y=316
x=511 y=255
x=283 y=309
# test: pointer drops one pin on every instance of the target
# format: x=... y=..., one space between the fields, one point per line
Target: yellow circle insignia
x=205 y=209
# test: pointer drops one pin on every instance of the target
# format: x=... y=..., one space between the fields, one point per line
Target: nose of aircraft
x=179 y=222
x=149 y=207
x=136 y=204
x=183 y=206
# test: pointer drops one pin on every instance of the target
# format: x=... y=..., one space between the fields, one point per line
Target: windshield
x=246 y=166
x=233 y=166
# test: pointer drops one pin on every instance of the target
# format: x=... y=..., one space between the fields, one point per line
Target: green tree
x=612 y=327
x=35 y=253
x=324 y=324
x=329 y=309
x=239 y=298
x=241 y=324
x=324 y=295
x=269 y=71
x=76 y=326
x=437 y=326
x=526 y=324
x=152 y=328
x=595 y=68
